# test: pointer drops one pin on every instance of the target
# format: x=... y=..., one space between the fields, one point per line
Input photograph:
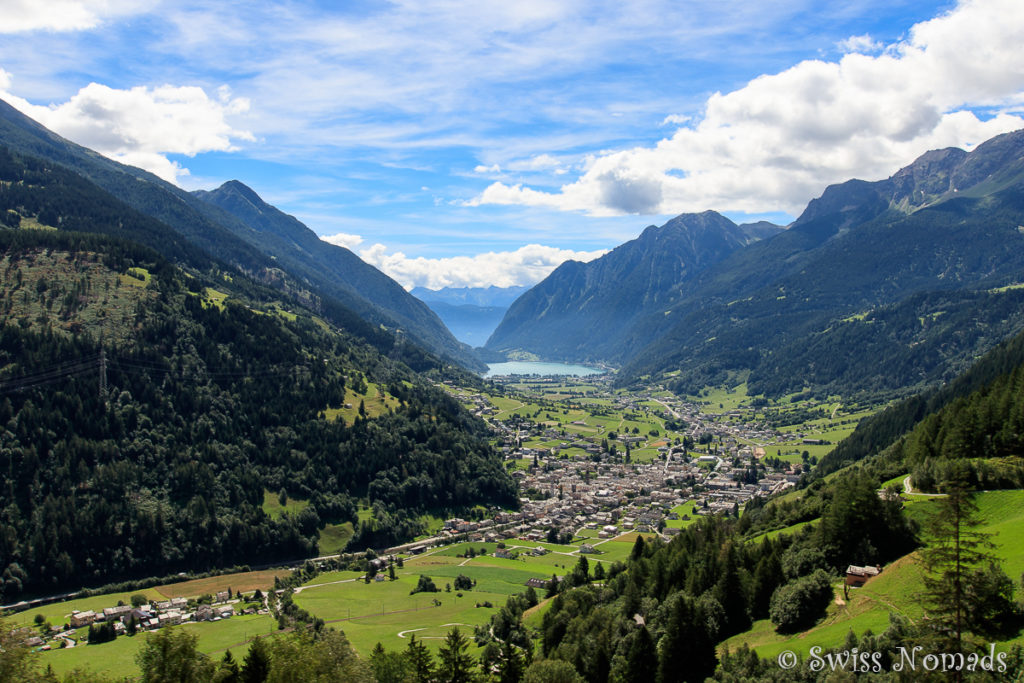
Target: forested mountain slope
x=216 y=391
x=230 y=239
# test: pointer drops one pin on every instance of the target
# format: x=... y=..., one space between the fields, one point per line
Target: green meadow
x=386 y=612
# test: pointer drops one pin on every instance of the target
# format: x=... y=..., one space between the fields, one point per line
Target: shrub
x=801 y=602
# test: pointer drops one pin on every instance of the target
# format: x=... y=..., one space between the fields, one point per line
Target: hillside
x=211 y=398
x=303 y=272
x=333 y=269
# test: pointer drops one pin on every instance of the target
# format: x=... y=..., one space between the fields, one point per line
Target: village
x=583 y=478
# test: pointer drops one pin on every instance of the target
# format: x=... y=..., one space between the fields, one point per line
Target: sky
x=471 y=143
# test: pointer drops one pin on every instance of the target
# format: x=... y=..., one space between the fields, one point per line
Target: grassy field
x=246 y=582
x=272 y=505
x=334 y=538
x=375 y=402
x=381 y=611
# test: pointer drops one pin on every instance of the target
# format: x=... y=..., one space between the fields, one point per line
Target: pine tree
x=642 y=658
x=638 y=548
x=686 y=651
x=228 y=670
x=456 y=663
x=511 y=663
x=955 y=549
x=421 y=660
x=256 y=666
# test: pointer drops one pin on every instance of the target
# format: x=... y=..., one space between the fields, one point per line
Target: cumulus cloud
x=61 y=15
x=343 y=239
x=527 y=265
x=140 y=126
x=773 y=144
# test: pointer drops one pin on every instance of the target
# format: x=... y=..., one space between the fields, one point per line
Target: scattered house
x=537 y=583
x=858 y=576
x=80 y=619
x=169 y=618
x=225 y=612
x=111 y=613
x=587 y=548
x=223 y=596
x=204 y=613
x=502 y=553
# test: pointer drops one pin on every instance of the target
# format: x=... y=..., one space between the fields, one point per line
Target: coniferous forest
x=205 y=408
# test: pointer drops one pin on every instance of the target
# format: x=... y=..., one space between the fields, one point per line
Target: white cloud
x=863 y=44
x=62 y=15
x=675 y=120
x=524 y=266
x=141 y=126
x=343 y=239
x=773 y=144
x=494 y=168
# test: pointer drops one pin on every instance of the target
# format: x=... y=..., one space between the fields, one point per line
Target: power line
x=101 y=363
x=50 y=375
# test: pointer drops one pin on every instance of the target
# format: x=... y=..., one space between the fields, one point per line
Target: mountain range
x=471 y=313
x=590 y=311
x=877 y=286
x=234 y=225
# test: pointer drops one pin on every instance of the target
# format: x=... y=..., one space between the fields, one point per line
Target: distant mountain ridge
x=299 y=265
x=587 y=311
x=783 y=311
x=471 y=313
x=476 y=296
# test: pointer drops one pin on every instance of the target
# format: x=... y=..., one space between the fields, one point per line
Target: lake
x=538 y=368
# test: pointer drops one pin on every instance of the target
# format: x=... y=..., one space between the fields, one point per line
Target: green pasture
x=334 y=538
x=379 y=611
x=895 y=590
x=376 y=402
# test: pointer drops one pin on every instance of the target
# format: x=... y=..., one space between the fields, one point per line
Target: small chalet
x=857 y=576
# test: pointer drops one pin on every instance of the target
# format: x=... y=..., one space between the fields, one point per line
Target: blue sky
x=468 y=143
